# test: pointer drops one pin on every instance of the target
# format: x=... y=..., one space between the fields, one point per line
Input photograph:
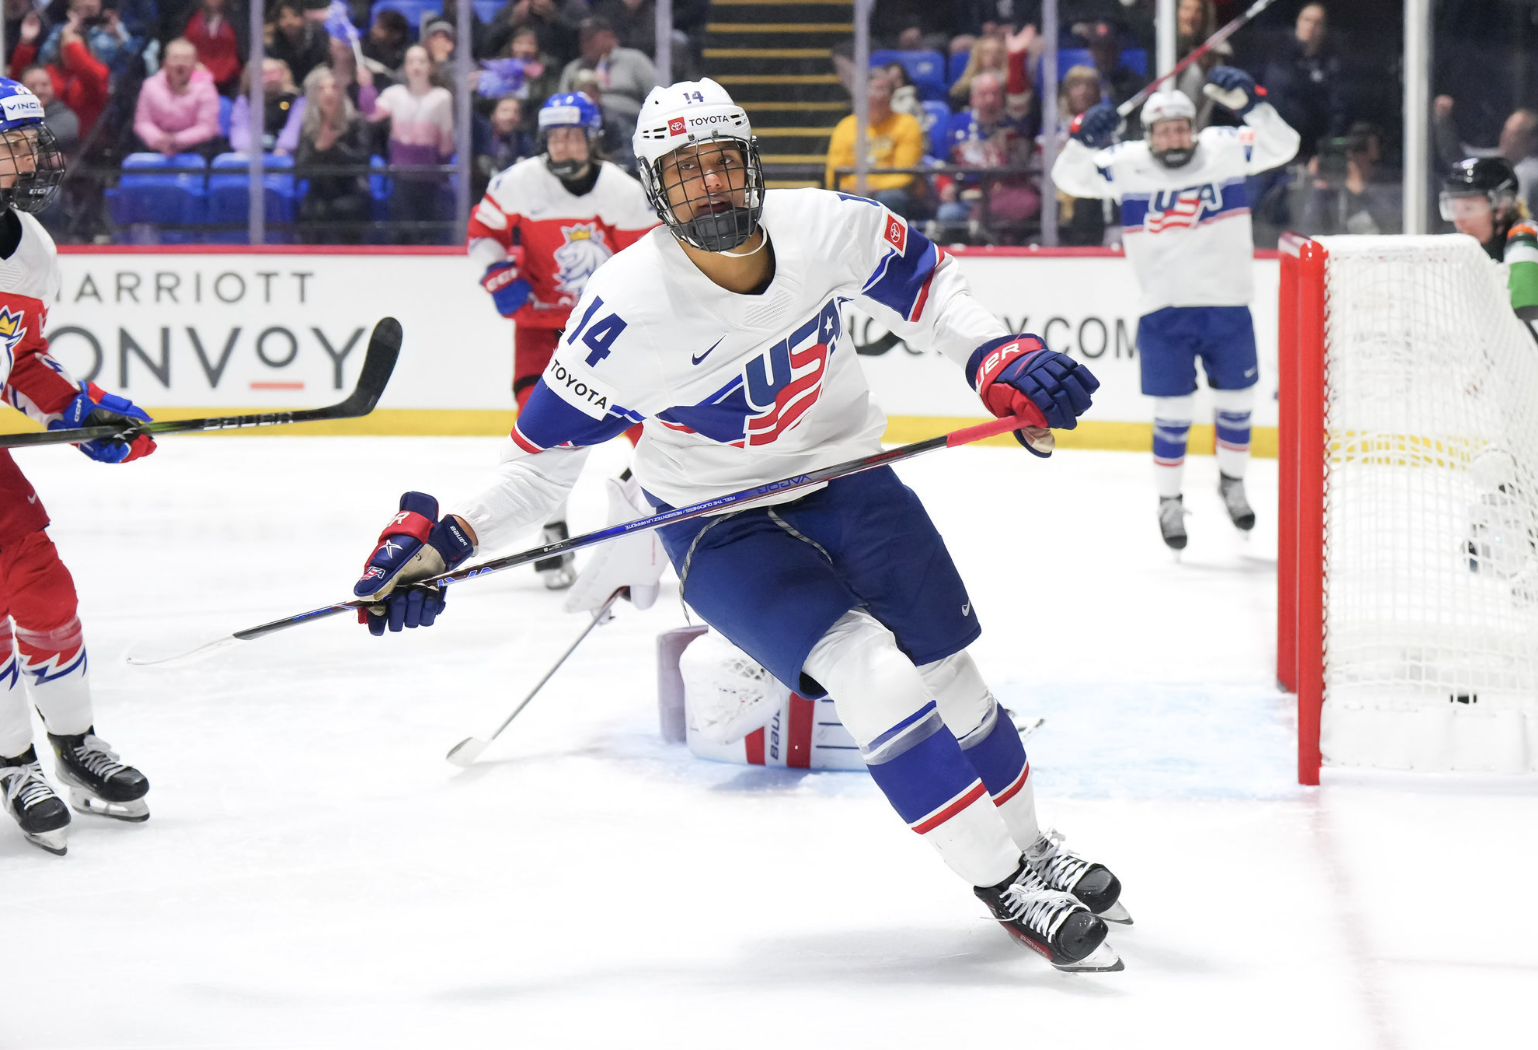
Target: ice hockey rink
x=316 y=875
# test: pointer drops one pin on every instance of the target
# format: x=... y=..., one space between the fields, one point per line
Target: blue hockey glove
x=1016 y=375
x=414 y=546
x=508 y=290
x=1233 y=89
x=94 y=407
x=1096 y=126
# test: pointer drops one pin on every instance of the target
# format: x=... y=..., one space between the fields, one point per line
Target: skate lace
x=1039 y=907
x=25 y=787
x=97 y=757
x=1059 y=866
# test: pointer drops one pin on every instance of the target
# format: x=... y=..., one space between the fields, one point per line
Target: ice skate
x=1239 y=510
x=98 y=781
x=1062 y=869
x=1172 y=521
x=1050 y=922
x=558 y=572
x=29 y=799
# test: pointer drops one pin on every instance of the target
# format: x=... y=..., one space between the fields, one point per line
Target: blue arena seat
x=927 y=68
x=165 y=191
x=229 y=193
x=958 y=66
x=1135 y=59
x=486 y=10
x=939 y=115
x=225 y=105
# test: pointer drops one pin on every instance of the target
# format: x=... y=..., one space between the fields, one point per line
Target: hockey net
x=1408 y=561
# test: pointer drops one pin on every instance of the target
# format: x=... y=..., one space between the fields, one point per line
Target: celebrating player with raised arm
x=1185 y=217
x=722 y=332
x=44 y=659
x=542 y=229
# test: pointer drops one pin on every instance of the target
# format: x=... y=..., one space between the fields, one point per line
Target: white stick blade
x=466 y=751
x=192 y=656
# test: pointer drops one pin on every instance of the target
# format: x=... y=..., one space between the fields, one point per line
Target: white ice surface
x=316 y=875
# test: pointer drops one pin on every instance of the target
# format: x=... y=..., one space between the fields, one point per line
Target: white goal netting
x=1431 y=510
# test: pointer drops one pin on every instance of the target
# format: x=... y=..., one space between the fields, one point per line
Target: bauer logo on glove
x=414 y=546
x=1016 y=375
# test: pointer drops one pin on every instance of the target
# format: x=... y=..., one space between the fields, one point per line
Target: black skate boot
x=1172 y=521
x=1062 y=869
x=558 y=572
x=98 y=782
x=1239 y=510
x=30 y=800
x=1049 y=922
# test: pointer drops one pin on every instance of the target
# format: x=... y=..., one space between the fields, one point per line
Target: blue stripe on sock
x=926 y=776
x=999 y=756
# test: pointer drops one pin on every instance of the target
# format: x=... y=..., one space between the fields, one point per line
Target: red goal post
x=1407 y=563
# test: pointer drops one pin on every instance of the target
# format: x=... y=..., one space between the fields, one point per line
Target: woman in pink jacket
x=178 y=107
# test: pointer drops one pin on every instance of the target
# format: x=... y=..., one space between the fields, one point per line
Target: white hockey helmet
x=700 y=116
x=1170 y=105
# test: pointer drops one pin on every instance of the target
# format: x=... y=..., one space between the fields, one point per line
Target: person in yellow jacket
x=895 y=141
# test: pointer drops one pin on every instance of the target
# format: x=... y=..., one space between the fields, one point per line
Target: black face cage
x=715 y=231
x=33 y=154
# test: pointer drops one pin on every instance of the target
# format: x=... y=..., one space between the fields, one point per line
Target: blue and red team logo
x=1184 y=208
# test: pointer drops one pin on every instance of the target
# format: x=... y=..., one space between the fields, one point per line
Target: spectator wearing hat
x=625 y=75
x=178 y=108
x=301 y=44
x=440 y=37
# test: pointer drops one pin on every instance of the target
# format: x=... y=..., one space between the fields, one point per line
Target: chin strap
x=762 y=240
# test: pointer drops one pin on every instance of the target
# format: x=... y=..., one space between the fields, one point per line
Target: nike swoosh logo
x=966 y=608
x=31 y=499
x=706 y=354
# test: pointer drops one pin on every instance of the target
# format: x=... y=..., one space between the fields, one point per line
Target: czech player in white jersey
x=1185 y=216
x=721 y=331
x=42 y=648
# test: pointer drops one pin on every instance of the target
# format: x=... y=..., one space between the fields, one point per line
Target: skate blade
x=1102 y=960
x=52 y=841
x=135 y=812
x=1116 y=913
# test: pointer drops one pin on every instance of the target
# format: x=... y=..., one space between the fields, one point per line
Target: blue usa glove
x=94 y=407
x=1233 y=89
x=414 y=546
x=1096 y=126
x=1016 y=375
x=508 y=290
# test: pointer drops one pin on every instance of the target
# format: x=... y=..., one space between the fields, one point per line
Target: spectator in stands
x=281 y=116
x=1346 y=198
x=555 y=22
x=421 y=119
x=1081 y=221
x=356 y=84
x=1518 y=144
x=80 y=79
x=1005 y=57
x=506 y=143
x=213 y=37
x=60 y=118
x=386 y=43
x=634 y=22
x=905 y=97
x=1305 y=84
x=539 y=75
x=178 y=108
x=615 y=142
x=331 y=134
x=300 y=43
x=440 y=39
x=914 y=25
x=1195 y=21
x=1103 y=39
x=894 y=140
x=985 y=136
x=101 y=31
x=625 y=74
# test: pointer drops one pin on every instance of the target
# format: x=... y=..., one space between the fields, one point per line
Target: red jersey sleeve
x=37 y=385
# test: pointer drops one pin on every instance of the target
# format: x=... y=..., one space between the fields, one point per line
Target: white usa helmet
x=1170 y=105
x=697 y=115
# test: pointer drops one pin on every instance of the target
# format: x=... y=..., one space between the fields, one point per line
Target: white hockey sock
x=53 y=668
x=15 y=712
x=1232 y=409
x=914 y=758
x=1172 y=426
x=559 y=513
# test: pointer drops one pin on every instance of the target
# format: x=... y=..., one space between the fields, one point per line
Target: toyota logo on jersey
x=1171 y=209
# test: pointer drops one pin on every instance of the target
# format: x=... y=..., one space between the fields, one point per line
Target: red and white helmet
x=699 y=116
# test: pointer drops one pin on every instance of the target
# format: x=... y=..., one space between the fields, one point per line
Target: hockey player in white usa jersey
x=1185 y=217
x=721 y=331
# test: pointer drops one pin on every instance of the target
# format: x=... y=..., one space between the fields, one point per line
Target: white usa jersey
x=1187 y=229
x=734 y=390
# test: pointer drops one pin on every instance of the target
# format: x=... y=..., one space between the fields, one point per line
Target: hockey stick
x=1211 y=42
x=384 y=346
x=1040 y=438
x=469 y=749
